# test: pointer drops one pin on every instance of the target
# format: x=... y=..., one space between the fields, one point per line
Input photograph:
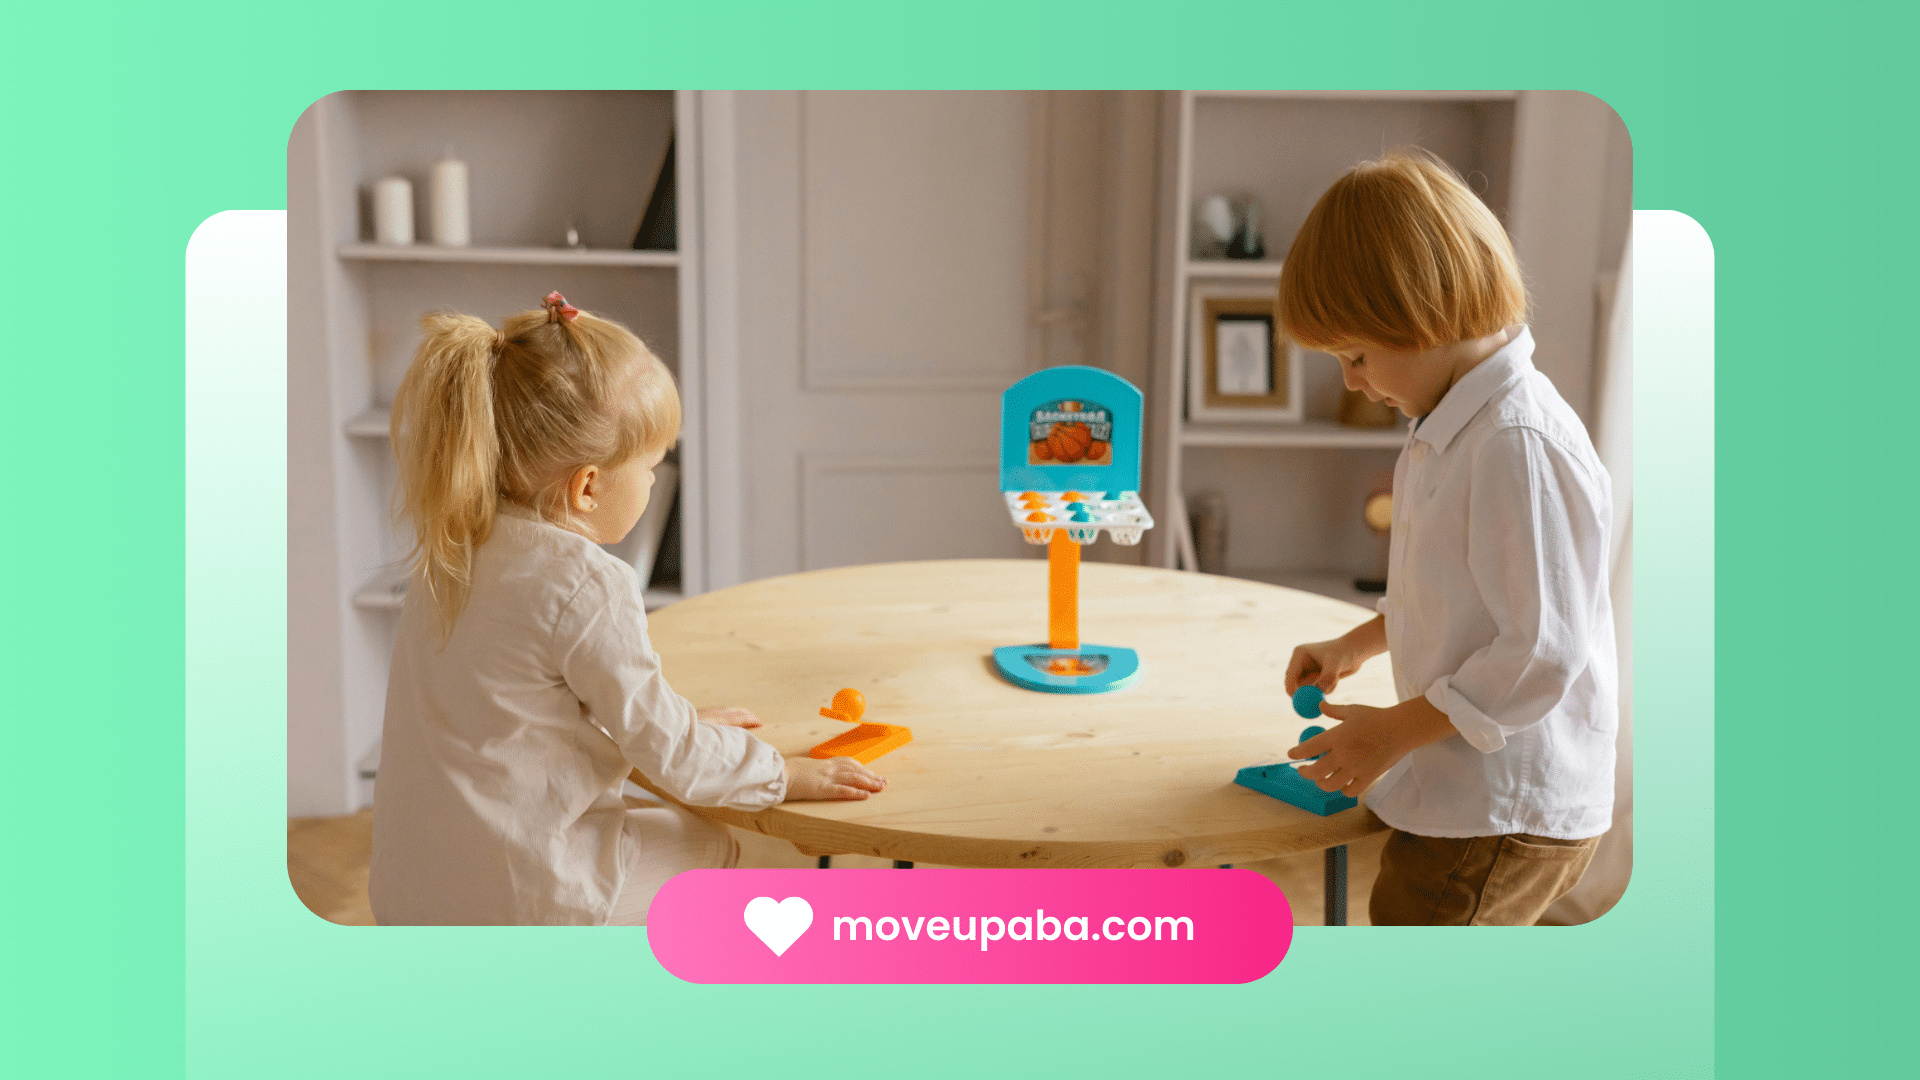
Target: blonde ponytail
x=483 y=417
x=449 y=451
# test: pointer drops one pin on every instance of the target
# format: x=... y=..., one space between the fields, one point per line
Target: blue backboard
x=1070 y=428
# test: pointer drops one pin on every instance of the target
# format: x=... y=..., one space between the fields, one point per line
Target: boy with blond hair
x=1496 y=768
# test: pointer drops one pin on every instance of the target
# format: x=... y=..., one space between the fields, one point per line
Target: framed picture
x=1239 y=366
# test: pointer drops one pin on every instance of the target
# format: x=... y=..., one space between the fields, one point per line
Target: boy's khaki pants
x=1506 y=880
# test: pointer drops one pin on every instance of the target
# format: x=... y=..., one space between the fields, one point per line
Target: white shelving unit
x=1294 y=491
x=376 y=423
x=509 y=256
x=1231 y=269
x=538 y=161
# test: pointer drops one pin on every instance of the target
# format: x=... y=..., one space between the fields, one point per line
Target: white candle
x=452 y=225
x=393 y=211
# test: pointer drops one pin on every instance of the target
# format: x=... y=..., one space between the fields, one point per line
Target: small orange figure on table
x=865 y=742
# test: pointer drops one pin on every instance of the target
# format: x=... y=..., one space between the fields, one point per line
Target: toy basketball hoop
x=1070 y=470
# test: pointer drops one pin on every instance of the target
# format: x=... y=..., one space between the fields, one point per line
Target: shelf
x=1308 y=435
x=508 y=256
x=1233 y=268
x=388 y=590
x=655 y=599
x=372 y=424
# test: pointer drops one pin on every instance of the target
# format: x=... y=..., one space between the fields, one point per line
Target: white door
x=867 y=258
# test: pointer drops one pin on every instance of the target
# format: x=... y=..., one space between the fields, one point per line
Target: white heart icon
x=778 y=924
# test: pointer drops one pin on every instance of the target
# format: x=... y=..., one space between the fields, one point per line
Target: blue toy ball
x=1307 y=699
x=1312 y=730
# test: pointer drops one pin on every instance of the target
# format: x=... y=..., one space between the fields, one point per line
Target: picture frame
x=1240 y=367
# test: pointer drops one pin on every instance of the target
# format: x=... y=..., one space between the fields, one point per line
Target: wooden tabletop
x=1001 y=776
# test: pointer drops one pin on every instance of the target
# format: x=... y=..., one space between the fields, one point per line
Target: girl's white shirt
x=1498 y=611
x=504 y=751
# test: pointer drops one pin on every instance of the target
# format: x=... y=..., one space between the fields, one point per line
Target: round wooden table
x=1001 y=776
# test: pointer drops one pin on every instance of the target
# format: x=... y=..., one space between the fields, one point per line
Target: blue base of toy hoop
x=1282 y=782
x=1119 y=668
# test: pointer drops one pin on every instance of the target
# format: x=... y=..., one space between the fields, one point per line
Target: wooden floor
x=327 y=862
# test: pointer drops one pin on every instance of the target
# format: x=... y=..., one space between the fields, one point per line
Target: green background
x=150 y=927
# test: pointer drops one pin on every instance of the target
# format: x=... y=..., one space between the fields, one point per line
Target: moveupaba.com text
x=991 y=928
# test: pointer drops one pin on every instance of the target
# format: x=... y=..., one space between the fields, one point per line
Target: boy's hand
x=1325 y=663
x=728 y=716
x=1322 y=664
x=1367 y=742
x=836 y=778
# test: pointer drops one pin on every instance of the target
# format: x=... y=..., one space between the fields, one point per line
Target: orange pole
x=1063 y=591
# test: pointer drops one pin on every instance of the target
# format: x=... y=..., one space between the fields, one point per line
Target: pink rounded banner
x=970 y=926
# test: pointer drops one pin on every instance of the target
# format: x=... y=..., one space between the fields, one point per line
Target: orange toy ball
x=848 y=705
x=1038 y=516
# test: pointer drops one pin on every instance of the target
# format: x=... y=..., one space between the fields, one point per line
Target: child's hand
x=1367 y=742
x=1322 y=664
x=1325 y=663
x=728 y=716
x=836 y=778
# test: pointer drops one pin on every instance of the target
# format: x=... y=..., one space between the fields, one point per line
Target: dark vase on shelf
x=659 y=229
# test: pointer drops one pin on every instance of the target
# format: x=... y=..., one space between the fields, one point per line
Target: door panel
x=880 y=510
x=914 y=239
x=879 y=267
x=881 y=254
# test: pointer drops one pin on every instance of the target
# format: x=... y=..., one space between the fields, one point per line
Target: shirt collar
x=1465 y=398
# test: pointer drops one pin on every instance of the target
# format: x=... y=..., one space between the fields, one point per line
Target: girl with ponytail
x=523 y=688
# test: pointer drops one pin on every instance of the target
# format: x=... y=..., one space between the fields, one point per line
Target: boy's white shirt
x=503 y=753
x=1497 y=610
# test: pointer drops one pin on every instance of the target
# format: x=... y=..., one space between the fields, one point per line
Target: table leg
x=826 y=862
x=903 y=864
x=1337 y=886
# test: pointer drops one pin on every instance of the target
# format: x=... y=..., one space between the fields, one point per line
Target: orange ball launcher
x=864 y=743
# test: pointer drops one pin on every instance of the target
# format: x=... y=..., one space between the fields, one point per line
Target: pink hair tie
x=558 y=308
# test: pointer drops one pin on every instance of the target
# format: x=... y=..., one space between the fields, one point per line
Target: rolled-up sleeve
x=608 y=663
x=1536 y=548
